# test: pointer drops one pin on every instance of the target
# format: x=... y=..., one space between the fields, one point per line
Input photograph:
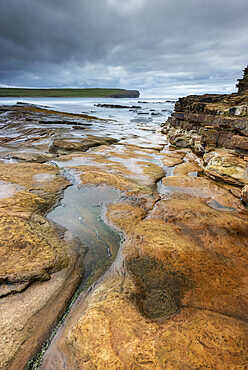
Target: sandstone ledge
x=39 y=270
x=168 y=301
x=175 y=297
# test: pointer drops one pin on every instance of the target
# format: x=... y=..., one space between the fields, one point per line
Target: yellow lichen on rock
x=41 y=179
x=168 y=301
x=125 y=216
x=227 y=167
x=97 y=177
x=36 y=264
x=111 y=333
x=27 y=255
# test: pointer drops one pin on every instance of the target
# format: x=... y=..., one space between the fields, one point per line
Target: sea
x=125 y=124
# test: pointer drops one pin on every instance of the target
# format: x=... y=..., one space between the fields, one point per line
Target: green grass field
x=68 y=93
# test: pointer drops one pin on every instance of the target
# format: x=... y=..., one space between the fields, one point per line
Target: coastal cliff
x=242 y=85
x=215 y=127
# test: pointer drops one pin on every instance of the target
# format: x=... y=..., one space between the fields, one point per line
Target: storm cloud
x=160 y=47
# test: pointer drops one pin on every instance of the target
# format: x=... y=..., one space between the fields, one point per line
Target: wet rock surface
x=174 y=280
x=118 y=106
x=80 y=145
x=36 y=263
x=168 y=300
x=39 y=269
x=176 y=295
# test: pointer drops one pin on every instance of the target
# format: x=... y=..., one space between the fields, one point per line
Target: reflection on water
x=80 y=212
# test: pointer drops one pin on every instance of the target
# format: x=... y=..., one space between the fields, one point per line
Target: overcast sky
x=160 y=47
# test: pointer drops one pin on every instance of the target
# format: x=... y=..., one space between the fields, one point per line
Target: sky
x=165 y=48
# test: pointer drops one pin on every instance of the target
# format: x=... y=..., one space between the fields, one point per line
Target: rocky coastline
x=216 y=128
x=175 y=295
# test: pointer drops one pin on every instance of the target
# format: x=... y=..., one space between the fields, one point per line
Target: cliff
x=242 y=85
x=215 y=127
x=209 y=121
x=127 y=94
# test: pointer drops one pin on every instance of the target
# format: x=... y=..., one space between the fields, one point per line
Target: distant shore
x=69 y=93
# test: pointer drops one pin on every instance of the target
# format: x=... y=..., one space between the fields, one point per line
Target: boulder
x=183 y=141
x=227 y=167
x=240 y=110
x=239 y=142
x=244 y=194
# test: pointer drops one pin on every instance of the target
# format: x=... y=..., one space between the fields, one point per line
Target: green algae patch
x=159 y=289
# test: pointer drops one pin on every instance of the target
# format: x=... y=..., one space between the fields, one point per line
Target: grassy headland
x=69 y=93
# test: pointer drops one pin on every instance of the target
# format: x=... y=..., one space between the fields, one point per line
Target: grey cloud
x=161 y=46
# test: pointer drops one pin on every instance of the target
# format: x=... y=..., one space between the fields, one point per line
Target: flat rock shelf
x=118 y=249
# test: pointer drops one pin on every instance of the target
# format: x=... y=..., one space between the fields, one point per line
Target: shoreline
x=178 y=265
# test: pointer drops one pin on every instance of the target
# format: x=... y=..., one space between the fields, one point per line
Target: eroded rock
x=171 y=286
x=168 y=300
x=226 y=167
x=243 y=82
x=244 y=194
x=39 y=271
x=80 y=145
x=205 y=122
x=32 y=157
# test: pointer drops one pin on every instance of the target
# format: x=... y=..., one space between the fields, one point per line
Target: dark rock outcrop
x=127 y=94
x=117 y=106
x=242 y=85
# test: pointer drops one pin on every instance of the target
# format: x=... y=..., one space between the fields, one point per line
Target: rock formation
x=243 y=82
x=215 y=127
x=39 y=271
